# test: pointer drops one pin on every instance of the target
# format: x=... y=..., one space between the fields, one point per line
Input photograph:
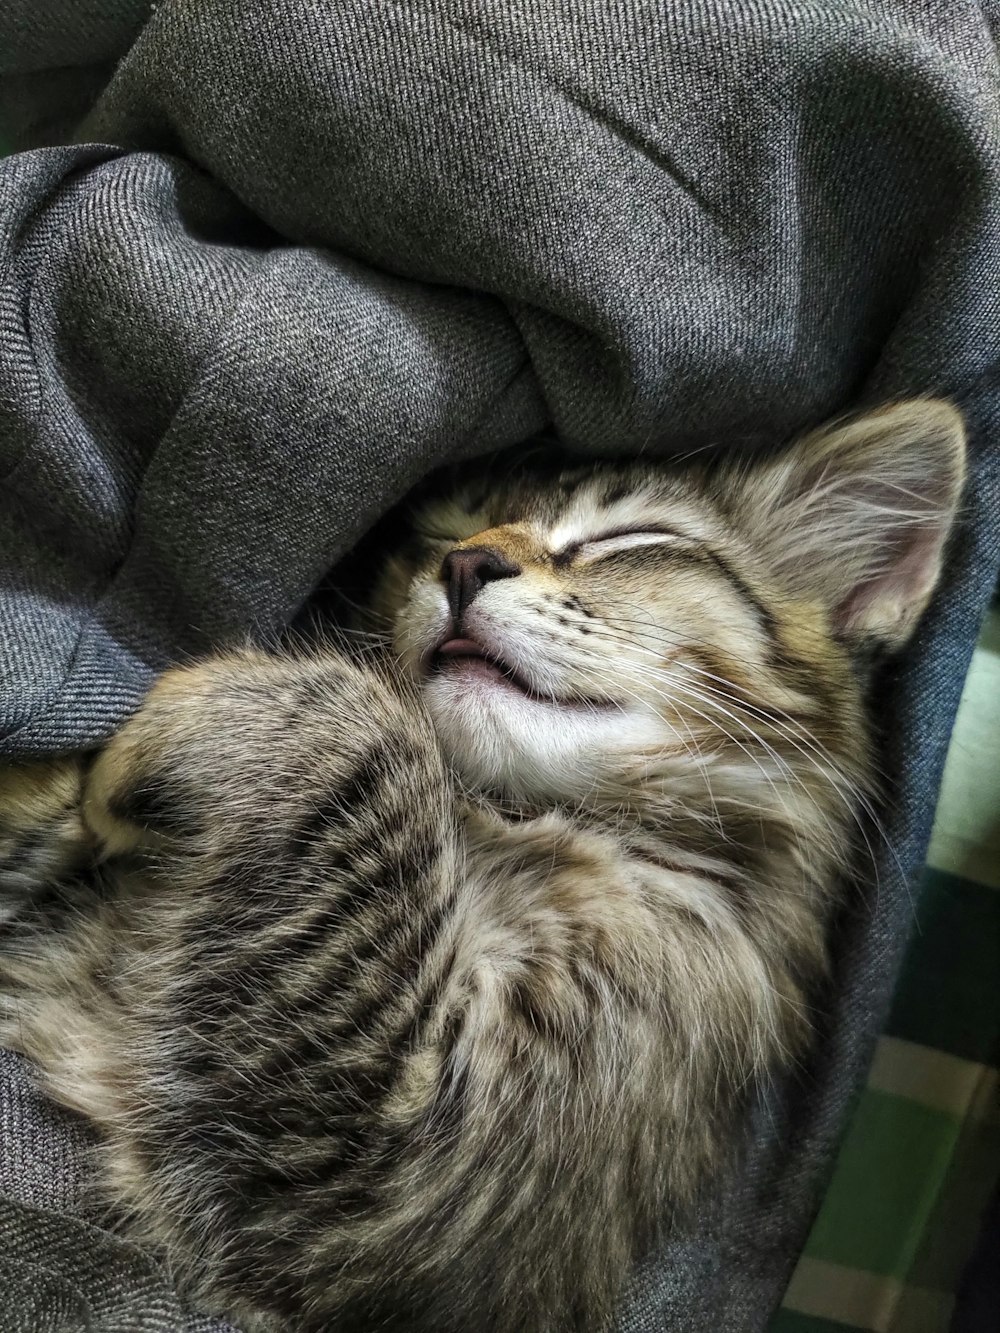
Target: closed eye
x=619 y=539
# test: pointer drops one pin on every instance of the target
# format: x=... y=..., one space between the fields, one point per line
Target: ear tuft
x=858 y=514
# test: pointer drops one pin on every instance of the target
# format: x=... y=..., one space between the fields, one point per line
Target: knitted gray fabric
x=314 y=249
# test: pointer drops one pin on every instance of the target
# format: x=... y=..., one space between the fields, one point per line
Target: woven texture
x=304 y=252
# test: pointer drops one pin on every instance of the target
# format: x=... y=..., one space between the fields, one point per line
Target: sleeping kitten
x=417 y=990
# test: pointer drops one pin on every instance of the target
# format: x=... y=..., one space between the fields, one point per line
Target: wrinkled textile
x=303 y=252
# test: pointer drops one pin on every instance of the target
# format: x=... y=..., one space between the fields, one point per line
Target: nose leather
x=465 y=572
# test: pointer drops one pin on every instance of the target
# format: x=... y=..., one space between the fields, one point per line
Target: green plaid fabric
x=921 y=1157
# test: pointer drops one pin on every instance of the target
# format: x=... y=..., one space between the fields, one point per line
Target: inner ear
x=857 y=514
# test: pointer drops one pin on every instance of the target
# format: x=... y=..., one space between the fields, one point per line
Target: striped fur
x=42 y=836
x=416 y=990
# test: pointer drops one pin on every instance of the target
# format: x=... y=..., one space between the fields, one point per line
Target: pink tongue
x=460 y=648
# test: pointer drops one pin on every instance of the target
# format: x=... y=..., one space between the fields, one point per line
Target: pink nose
x=466 y=570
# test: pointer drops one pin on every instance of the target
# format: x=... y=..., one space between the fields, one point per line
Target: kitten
x=417 y=990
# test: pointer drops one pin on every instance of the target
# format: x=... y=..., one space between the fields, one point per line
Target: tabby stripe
x=387 y=887
x=402 y=1026
x=156 y=805
x=408 y=954
x=363 y=1012
x=340 y=806
x=739 y=584
x=384 y=889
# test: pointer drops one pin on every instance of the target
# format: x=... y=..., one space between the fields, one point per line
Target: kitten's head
x=577 y=631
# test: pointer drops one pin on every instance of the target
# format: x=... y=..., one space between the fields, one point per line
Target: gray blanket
x=302 y=251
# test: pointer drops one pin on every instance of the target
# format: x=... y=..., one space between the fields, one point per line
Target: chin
x=499 y=739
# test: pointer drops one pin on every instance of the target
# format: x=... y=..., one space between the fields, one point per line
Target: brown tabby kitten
x=415 y=993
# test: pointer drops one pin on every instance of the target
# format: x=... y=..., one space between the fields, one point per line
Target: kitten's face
x=570 y=631
x=608 y=626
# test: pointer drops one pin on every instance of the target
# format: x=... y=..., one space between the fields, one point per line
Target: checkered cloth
x=921 y=1158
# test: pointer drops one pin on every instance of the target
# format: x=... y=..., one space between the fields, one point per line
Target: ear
x=858 y=514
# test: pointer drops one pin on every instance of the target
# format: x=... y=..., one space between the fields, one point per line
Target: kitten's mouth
x=474 y=660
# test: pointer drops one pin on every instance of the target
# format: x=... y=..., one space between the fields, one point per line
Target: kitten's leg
x=45 y=1010
x=218 y=812
x=42 y=835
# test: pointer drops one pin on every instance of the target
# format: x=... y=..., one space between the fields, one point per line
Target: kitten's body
x=418 y=999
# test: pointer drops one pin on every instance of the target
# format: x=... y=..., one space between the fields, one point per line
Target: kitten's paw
x=184 y=769
x=42 y=835
x=135 y=798
x=239 y=743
